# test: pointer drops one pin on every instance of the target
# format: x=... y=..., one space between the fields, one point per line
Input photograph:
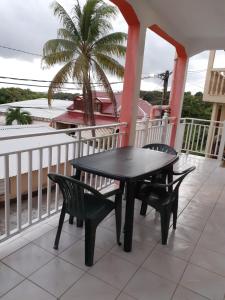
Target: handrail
x=60 y=131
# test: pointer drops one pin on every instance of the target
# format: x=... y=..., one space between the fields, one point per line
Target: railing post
x=164 y=130
x=145 y=135
x=189 y=138
x=222 y=143
x=79 y=144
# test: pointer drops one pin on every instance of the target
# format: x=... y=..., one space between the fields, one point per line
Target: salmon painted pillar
x=177 y=92
x=132 y=80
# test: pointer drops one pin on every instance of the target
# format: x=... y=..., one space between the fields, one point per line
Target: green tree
x=15 y=114
x=87 y=50
x=8 y=95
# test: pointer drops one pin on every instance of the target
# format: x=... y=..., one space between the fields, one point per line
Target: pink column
x=179 y=78
x=132 y=77
x=177 y=92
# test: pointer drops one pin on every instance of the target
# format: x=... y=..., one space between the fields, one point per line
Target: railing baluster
x=18 y=191
x=57 y=171
x=30 y=189
x=7 y=196
x=40 y=182
x=49 y=192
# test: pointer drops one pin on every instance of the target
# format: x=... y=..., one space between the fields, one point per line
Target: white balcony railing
x=154 y=131
x=201 y=137
x=217 y=82
x=26 y=194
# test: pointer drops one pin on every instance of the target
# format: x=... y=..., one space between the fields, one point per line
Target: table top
x=126 y=163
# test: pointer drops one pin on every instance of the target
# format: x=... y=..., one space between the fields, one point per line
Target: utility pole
x=165 y=78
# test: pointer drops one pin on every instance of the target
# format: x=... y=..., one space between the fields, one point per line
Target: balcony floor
x=191 y=266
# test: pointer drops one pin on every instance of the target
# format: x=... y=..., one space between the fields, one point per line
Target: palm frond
x=118 y=38
x=57 y=82
x=106 y=84
x=110 y=64
x=68 y=35
x=64 y=17
x=57 y=45
x=111 y=50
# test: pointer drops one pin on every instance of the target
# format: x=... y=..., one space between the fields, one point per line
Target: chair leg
x=90 y=231
x=61 y=220
x=174 y=209
x=71 y=220
x=144 y=207
x=118 y=215
x=79 y=223
x=165 y=222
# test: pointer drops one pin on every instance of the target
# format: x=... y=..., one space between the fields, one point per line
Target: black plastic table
x=127 y=165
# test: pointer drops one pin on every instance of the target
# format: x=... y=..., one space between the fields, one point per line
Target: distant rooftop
x=38 y=108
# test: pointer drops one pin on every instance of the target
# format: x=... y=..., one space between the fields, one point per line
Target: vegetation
x=193 y=106
x=86 y=49
x=8 y=95
x=15 y=114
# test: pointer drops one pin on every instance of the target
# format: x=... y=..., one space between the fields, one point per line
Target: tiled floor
x=191 y=266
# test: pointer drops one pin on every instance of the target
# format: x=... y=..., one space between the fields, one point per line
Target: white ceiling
x=197 y=24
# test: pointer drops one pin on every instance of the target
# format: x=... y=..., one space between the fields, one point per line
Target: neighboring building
x=214 y=90
x=104 y=111
x=38 y=108
x=32 y=144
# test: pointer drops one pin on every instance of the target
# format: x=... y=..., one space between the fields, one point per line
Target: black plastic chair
x=161 y=148
x=160 y=177
x=164 y=198
x=91 y=207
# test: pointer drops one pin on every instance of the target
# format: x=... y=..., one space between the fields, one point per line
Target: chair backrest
x=177 y=182
x=161 y=148
x=73 y=194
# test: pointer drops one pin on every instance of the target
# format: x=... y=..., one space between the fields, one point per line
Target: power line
x=48 y=81
x=18 y=50
x=35 y=85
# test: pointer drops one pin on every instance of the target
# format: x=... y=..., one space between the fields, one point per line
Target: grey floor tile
x=186 y=233
x=203 y=282
x=27 y=291
x=177 y=247
x=124 y=297
x=76 y=255
x=140 y=251
x=89 y=287
x=210 y=260
x=8 y=278
x=113 y=270
x=47 y=240
x=28 y=259
x=57 y=276
x=73 y=229
x=165 y=265
x=185 y=294
x=148 y=286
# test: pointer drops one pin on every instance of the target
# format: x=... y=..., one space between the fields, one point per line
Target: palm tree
x=15 y=114
x=87 y=50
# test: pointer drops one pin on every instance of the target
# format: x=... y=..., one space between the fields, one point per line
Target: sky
x=27 y=25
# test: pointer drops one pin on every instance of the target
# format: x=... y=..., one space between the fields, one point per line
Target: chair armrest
x=166 y=185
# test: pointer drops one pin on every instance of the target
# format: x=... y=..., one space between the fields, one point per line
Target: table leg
x=129 y=217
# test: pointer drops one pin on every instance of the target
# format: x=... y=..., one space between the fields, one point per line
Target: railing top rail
x=76 y=141
x=200 y=120
x=155 y=120
x=218 y=69
x=60 y=131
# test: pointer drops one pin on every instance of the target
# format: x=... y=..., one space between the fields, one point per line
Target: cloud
x=27 y=25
